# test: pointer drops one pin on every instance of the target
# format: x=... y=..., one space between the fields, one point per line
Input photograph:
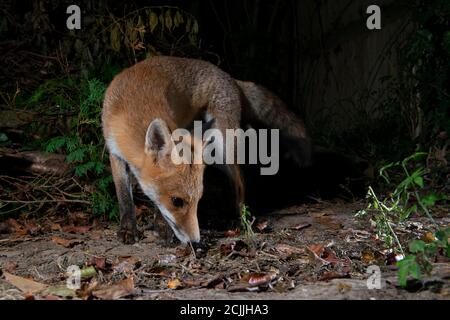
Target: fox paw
x=128 y=235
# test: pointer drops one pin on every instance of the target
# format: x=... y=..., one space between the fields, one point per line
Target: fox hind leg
x=128 y=232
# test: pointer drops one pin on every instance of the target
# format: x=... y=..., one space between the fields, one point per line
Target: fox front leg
x=128 y=232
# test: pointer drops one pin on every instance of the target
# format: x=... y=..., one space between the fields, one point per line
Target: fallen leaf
x=367 y=256
x=314 y=253
x=317 y=249
x=428 y=237
x=330 y=256
x=87 y=273
x=32 y=228
x=263 y=227
x=56 y=227
x=119 y=290
x=17 y=227
x=98 y=262
x=23 y=284
x=233 y=233
x=174 y=284
x=68 y=243
x=76 y=230
x=159 y=271
x=127 y=264
x=260 y=278
x=60 y=290
x=238 y=245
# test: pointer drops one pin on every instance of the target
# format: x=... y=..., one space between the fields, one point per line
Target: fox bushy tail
x=264 y=107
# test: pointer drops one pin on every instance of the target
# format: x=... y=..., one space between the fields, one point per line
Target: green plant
x=246 y=224
x=420 y=254
x=407 y=189
x=410 y=196
x=84 y=146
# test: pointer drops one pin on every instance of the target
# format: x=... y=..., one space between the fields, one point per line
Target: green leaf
x=414 y=270
x=408 y=266
x=82 y=169
x=443 y=234
x=419 y=181
x=430 y=200
x=417 y=246
x=76 y=156
x=56 y=143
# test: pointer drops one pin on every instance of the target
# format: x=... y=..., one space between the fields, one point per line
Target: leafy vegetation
x=410 y=196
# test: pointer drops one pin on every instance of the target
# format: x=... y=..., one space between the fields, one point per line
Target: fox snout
x=186 y=233
x=186 y=228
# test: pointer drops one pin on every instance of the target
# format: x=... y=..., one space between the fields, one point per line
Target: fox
x=146 y=102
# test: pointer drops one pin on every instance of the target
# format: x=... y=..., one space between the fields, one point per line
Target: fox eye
x=178 y=202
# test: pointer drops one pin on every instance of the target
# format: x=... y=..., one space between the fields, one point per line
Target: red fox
x=145 y=103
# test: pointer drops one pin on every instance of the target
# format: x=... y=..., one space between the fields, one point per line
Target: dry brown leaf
x=263 y=227
x=174 y=284
x=317 y=249
x=118 y=290
x=32 y=228
x=17 y=227
x=428 y=237
x=25 y=285
x=126 y=264
x=68 y=243
x=76 y=230
x=238 y=245
x=98 y=262
x=260 y=278
x=367 y=256
x=315 y=255
x=232 y=233
x=56 y=227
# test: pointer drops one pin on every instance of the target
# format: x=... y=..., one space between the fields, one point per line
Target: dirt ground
x=314 y=251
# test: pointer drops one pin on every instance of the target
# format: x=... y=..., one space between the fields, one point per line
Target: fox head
x=175 y=188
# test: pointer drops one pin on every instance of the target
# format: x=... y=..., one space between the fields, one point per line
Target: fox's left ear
x=158 y=141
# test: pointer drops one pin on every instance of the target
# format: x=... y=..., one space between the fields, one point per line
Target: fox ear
x=158 y=141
